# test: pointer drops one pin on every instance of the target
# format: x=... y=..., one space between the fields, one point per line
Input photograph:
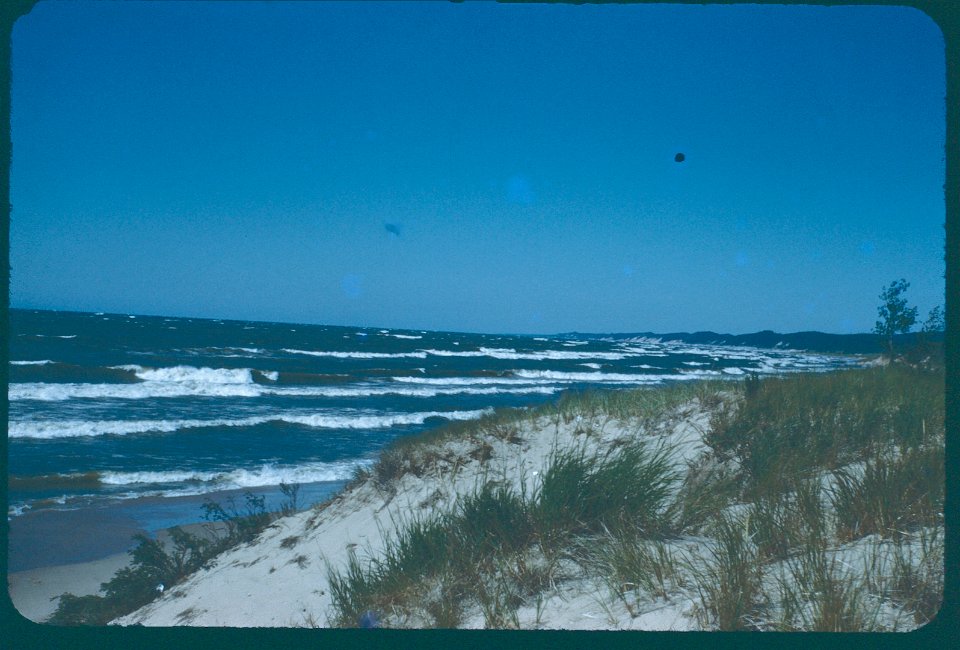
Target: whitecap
x=333 y=420
x=262 y=476
x=360 y=355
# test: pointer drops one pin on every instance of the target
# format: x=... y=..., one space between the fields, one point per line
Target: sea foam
x=239 y=478
x=155 y=389
x=336 y=420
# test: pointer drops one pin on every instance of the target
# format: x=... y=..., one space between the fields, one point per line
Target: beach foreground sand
x=34 y=591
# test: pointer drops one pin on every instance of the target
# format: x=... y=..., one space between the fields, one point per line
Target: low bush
x=154 y=567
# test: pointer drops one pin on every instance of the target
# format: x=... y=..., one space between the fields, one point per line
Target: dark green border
x=18 y=632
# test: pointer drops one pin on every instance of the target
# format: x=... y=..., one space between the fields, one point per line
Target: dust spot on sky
x=352 y=286
x=392 y=228
x=520 y=191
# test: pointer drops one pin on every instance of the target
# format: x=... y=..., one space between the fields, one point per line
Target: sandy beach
x=33 y=591
x=56 y=552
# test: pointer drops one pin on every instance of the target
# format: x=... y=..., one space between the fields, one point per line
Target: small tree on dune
x=935 y=321
x=895 y=316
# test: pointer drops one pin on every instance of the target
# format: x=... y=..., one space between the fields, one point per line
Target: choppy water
x=107 y=406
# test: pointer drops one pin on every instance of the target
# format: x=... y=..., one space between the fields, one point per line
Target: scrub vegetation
x=156 y=566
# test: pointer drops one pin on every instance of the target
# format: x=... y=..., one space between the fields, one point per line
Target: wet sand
x=56 y=551
x=33 y=591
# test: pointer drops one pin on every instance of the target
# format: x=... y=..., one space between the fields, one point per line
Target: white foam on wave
x=15 y=510
x=238 y=353
x=425 y=391
x=360 y=355
x=634 y=351
x=31 y=363
x=381 y=421
x=543 y=355
x=339 y=420
x=466 y=381
x=405 y=336
x=60 y=392
x=591 y=377
x=264 y=475
x=190 y=374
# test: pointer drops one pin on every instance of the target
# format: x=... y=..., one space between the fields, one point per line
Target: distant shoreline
x=810 y=340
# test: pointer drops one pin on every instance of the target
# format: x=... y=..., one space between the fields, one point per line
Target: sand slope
x=281 y=578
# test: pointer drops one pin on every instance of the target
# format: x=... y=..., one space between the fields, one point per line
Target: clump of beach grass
x=582 y=493
x=892 y=494
x=730 y=582
x=498 y=549
x=782 y=521
x=917 y=575
x=634 y=567
x=796 y=425
x=819 y=593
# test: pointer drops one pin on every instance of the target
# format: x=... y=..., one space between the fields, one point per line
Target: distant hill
x=810 y=341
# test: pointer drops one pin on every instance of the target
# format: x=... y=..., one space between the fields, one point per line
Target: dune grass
x=730 y=584
x=583 y=493
x=893 y=494
x=497 y=549
x=799 y=424
x=797 y=467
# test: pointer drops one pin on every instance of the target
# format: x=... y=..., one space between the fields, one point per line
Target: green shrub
x=151 y=564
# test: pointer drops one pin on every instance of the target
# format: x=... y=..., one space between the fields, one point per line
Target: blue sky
x=478 y=167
